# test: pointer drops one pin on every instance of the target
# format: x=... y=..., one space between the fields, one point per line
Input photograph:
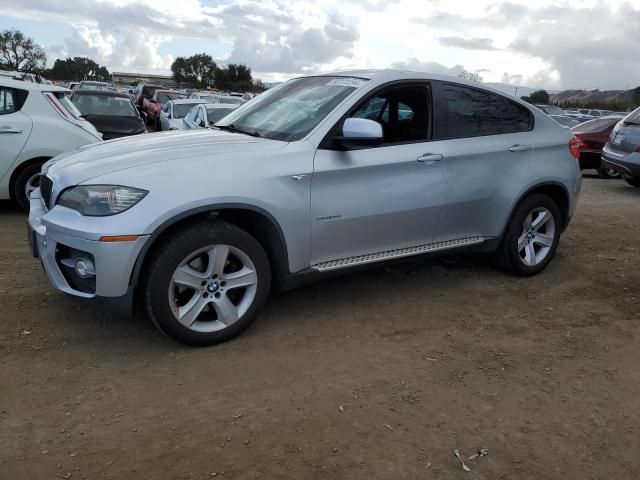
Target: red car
x=591 y=137
x=152 y=106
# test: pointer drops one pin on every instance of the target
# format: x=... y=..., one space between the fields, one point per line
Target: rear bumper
x=114 y=262
x=626 y=164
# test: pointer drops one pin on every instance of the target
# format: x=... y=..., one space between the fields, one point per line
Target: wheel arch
x=19 y=168
x=555 y=190
x=254 y=220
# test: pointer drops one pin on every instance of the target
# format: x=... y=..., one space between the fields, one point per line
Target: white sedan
x=174 y=111
x=205 y=115
x=37 y=122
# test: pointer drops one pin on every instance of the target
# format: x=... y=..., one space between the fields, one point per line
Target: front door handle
x=519 y=148
x=8 y=129
x=429 y=158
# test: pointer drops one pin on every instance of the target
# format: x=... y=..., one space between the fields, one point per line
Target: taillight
x=638 y=149
x=576 y=144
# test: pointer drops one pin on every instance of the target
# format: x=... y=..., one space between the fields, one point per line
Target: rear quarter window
x=463 y=111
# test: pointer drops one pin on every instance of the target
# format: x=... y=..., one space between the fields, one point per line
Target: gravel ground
x=370 y=375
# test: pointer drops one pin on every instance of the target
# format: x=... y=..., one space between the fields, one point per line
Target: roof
x=22 y=85
x=188 y=101
x=104 y=93
x=214 y=106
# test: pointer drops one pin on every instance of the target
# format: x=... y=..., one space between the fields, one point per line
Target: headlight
x=101 y=200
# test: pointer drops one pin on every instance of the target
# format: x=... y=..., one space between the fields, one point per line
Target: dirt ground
x=374 y=375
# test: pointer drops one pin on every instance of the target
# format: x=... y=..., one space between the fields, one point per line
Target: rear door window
x=8 y=101
x=464 y=111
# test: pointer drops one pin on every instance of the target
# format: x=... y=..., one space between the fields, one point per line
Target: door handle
x=9 y=130
x=519 y=148
x=429 y=158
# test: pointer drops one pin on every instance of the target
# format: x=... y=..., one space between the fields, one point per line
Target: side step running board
x=402 y=252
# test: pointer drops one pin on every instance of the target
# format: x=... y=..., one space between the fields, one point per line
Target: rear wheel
x=633 y=181
x=207 y=283
x=22 y=180
x=532 y=236
x=605 y=172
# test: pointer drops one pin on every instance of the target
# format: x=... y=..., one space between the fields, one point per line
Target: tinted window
x=402 y=112
x=104 y=105
x=7 y=101
x=470 y=112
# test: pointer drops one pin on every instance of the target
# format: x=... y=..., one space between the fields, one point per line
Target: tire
x=20 y=184
x=527 y=251
x=604 y=172
x=633 y=181
x=208 y=313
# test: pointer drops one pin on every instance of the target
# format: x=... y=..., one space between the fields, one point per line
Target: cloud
x=468 y=43
x=267 y=36
x=413 y=64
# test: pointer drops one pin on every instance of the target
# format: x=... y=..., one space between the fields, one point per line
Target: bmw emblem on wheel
x=212 y=286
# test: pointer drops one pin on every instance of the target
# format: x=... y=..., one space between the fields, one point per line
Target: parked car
x=112 y=113
x=591 y=137
x=297 y=184
x=144 y=91
x=580 y=117
x=90 y=85
x=173 y=113
x=207 y=96
x=37 y=122
x=622 y=152
x=551 y=110
x=565 y=121
x=205 y=115
x=228 y=99
x=152 y=106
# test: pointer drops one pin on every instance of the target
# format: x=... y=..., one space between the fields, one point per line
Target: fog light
x=84 y=268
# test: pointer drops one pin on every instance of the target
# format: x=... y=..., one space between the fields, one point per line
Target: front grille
x=46 y=187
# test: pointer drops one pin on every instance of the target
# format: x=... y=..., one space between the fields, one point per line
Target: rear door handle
x=519 y=148
x=429 y=158
x=9 y=130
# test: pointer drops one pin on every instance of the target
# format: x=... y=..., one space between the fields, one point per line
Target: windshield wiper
x=630 y=123
x=233 y=128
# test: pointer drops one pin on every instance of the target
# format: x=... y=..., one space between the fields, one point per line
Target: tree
x=21 y=53
x=635 y=97
x=473 y=77
x=77 y=68
x=197 y=70
x=539 y=97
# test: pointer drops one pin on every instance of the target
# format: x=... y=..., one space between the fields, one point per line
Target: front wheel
x=207 y=283
x=633 y=181
x=532 y=236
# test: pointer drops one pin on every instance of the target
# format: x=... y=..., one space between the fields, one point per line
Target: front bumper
x=626 y=164
x=114 y=261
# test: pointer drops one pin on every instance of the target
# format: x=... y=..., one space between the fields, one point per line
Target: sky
x=537 y=43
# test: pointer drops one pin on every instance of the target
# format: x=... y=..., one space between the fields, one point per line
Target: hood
x=109 y=125
x=92 y=161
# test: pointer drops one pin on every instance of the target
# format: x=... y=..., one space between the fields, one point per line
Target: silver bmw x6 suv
x=322 y=173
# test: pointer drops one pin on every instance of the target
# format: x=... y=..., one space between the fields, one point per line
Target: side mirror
x=360 y=132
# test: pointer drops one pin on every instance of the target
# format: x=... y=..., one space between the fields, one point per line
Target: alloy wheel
x=537 y=237
x=212 y=288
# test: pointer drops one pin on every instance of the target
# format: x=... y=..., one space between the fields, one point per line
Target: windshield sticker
x=346 y=82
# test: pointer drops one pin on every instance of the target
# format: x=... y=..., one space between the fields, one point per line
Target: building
x=133 y=78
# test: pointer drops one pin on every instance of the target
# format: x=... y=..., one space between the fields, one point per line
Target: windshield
x=216 y=114
x=165 y=97
x=633 y=117
x=294 y=109
x=180 y=110
x=104 y=105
